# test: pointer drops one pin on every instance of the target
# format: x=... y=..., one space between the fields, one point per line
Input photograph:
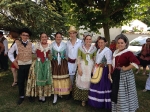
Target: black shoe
x=40 y=100
x=68 y=97
x=54 y=103
x=20 y=101
x=43 y=101
x=31 y=99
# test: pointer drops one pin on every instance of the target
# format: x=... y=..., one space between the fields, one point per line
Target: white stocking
x=55 y=98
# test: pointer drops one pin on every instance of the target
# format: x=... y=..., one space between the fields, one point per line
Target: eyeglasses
x=25 y=35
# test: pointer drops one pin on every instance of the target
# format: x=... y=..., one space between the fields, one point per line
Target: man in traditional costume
x=72 y=50
x=23 y=61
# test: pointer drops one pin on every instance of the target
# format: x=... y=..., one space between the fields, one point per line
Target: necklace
x=44 y=43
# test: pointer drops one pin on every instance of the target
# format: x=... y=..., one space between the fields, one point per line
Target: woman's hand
x=93 y=69
x=109 y=77
x=80 y=71
x=124 y=68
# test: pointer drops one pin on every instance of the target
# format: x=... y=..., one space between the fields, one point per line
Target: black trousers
x=3 y=61
x=23 y=72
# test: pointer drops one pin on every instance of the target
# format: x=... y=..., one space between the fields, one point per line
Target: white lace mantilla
x=59 y=48
x=39 y=47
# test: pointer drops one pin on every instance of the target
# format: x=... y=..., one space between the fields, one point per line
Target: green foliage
x=124 y=31
x=38 y=16
x=146 y=18
x=136 y=30
x=96 y=14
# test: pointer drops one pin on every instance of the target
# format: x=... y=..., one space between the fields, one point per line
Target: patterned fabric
x=79 y=94
x=127 y=95
x=32 y=88
x=43 y=73
x=24 y=53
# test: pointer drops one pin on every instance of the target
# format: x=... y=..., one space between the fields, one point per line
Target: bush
x=135 y=43
x=124 y=31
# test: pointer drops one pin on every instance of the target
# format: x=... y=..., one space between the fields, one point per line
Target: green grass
x=9 y=97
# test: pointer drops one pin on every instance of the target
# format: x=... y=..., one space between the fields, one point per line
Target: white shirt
x=72 y=50
x=105 y=52
x=15 y=48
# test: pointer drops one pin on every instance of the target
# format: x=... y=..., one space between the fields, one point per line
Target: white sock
x=43 y=98
x=21 y=96
x=40 y=97
x=55 y=98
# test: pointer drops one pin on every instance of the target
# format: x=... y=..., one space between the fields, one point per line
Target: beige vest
x=24 y=53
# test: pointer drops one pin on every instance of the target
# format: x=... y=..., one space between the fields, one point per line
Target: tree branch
x=120 y=8
x=106 y=5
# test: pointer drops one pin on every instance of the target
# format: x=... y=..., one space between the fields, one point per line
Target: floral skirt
x=32 y=88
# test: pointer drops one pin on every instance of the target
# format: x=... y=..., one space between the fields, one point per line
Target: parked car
x=136 y=44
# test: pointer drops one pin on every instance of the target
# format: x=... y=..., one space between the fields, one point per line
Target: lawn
x=9 y=96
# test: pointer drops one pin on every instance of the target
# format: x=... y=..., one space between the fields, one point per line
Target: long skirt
x=82 y=83
x=32 y=88
x=100 y=93
x=62 y=83
x=127 y=95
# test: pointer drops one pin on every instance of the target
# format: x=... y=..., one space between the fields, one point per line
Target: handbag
x=97 y=75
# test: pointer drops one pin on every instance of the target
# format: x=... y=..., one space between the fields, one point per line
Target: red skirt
x=13 y=66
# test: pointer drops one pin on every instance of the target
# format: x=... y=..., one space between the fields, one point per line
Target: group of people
x=76 y=69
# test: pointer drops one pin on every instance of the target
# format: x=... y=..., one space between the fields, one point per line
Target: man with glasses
x=23 y=60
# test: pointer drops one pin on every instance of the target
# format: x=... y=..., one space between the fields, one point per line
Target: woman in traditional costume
x=61 y=80
x=100 y=88
x=40 y=77
x=85 y=62
x=124 y=94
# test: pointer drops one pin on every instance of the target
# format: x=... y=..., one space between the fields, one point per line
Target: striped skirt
x=127 y=95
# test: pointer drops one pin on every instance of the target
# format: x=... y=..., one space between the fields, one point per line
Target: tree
x=146 y=18
x=39 y=16
x=95 y=14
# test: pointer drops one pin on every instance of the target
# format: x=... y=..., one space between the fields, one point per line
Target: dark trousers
x=3 y=61
x=23 y=72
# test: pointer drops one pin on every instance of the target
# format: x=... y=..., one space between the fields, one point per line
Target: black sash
x=115 y=85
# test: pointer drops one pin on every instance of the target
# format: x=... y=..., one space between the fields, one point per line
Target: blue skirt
x=100 y=93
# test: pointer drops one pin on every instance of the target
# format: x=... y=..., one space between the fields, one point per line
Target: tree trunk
x=106 y=32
